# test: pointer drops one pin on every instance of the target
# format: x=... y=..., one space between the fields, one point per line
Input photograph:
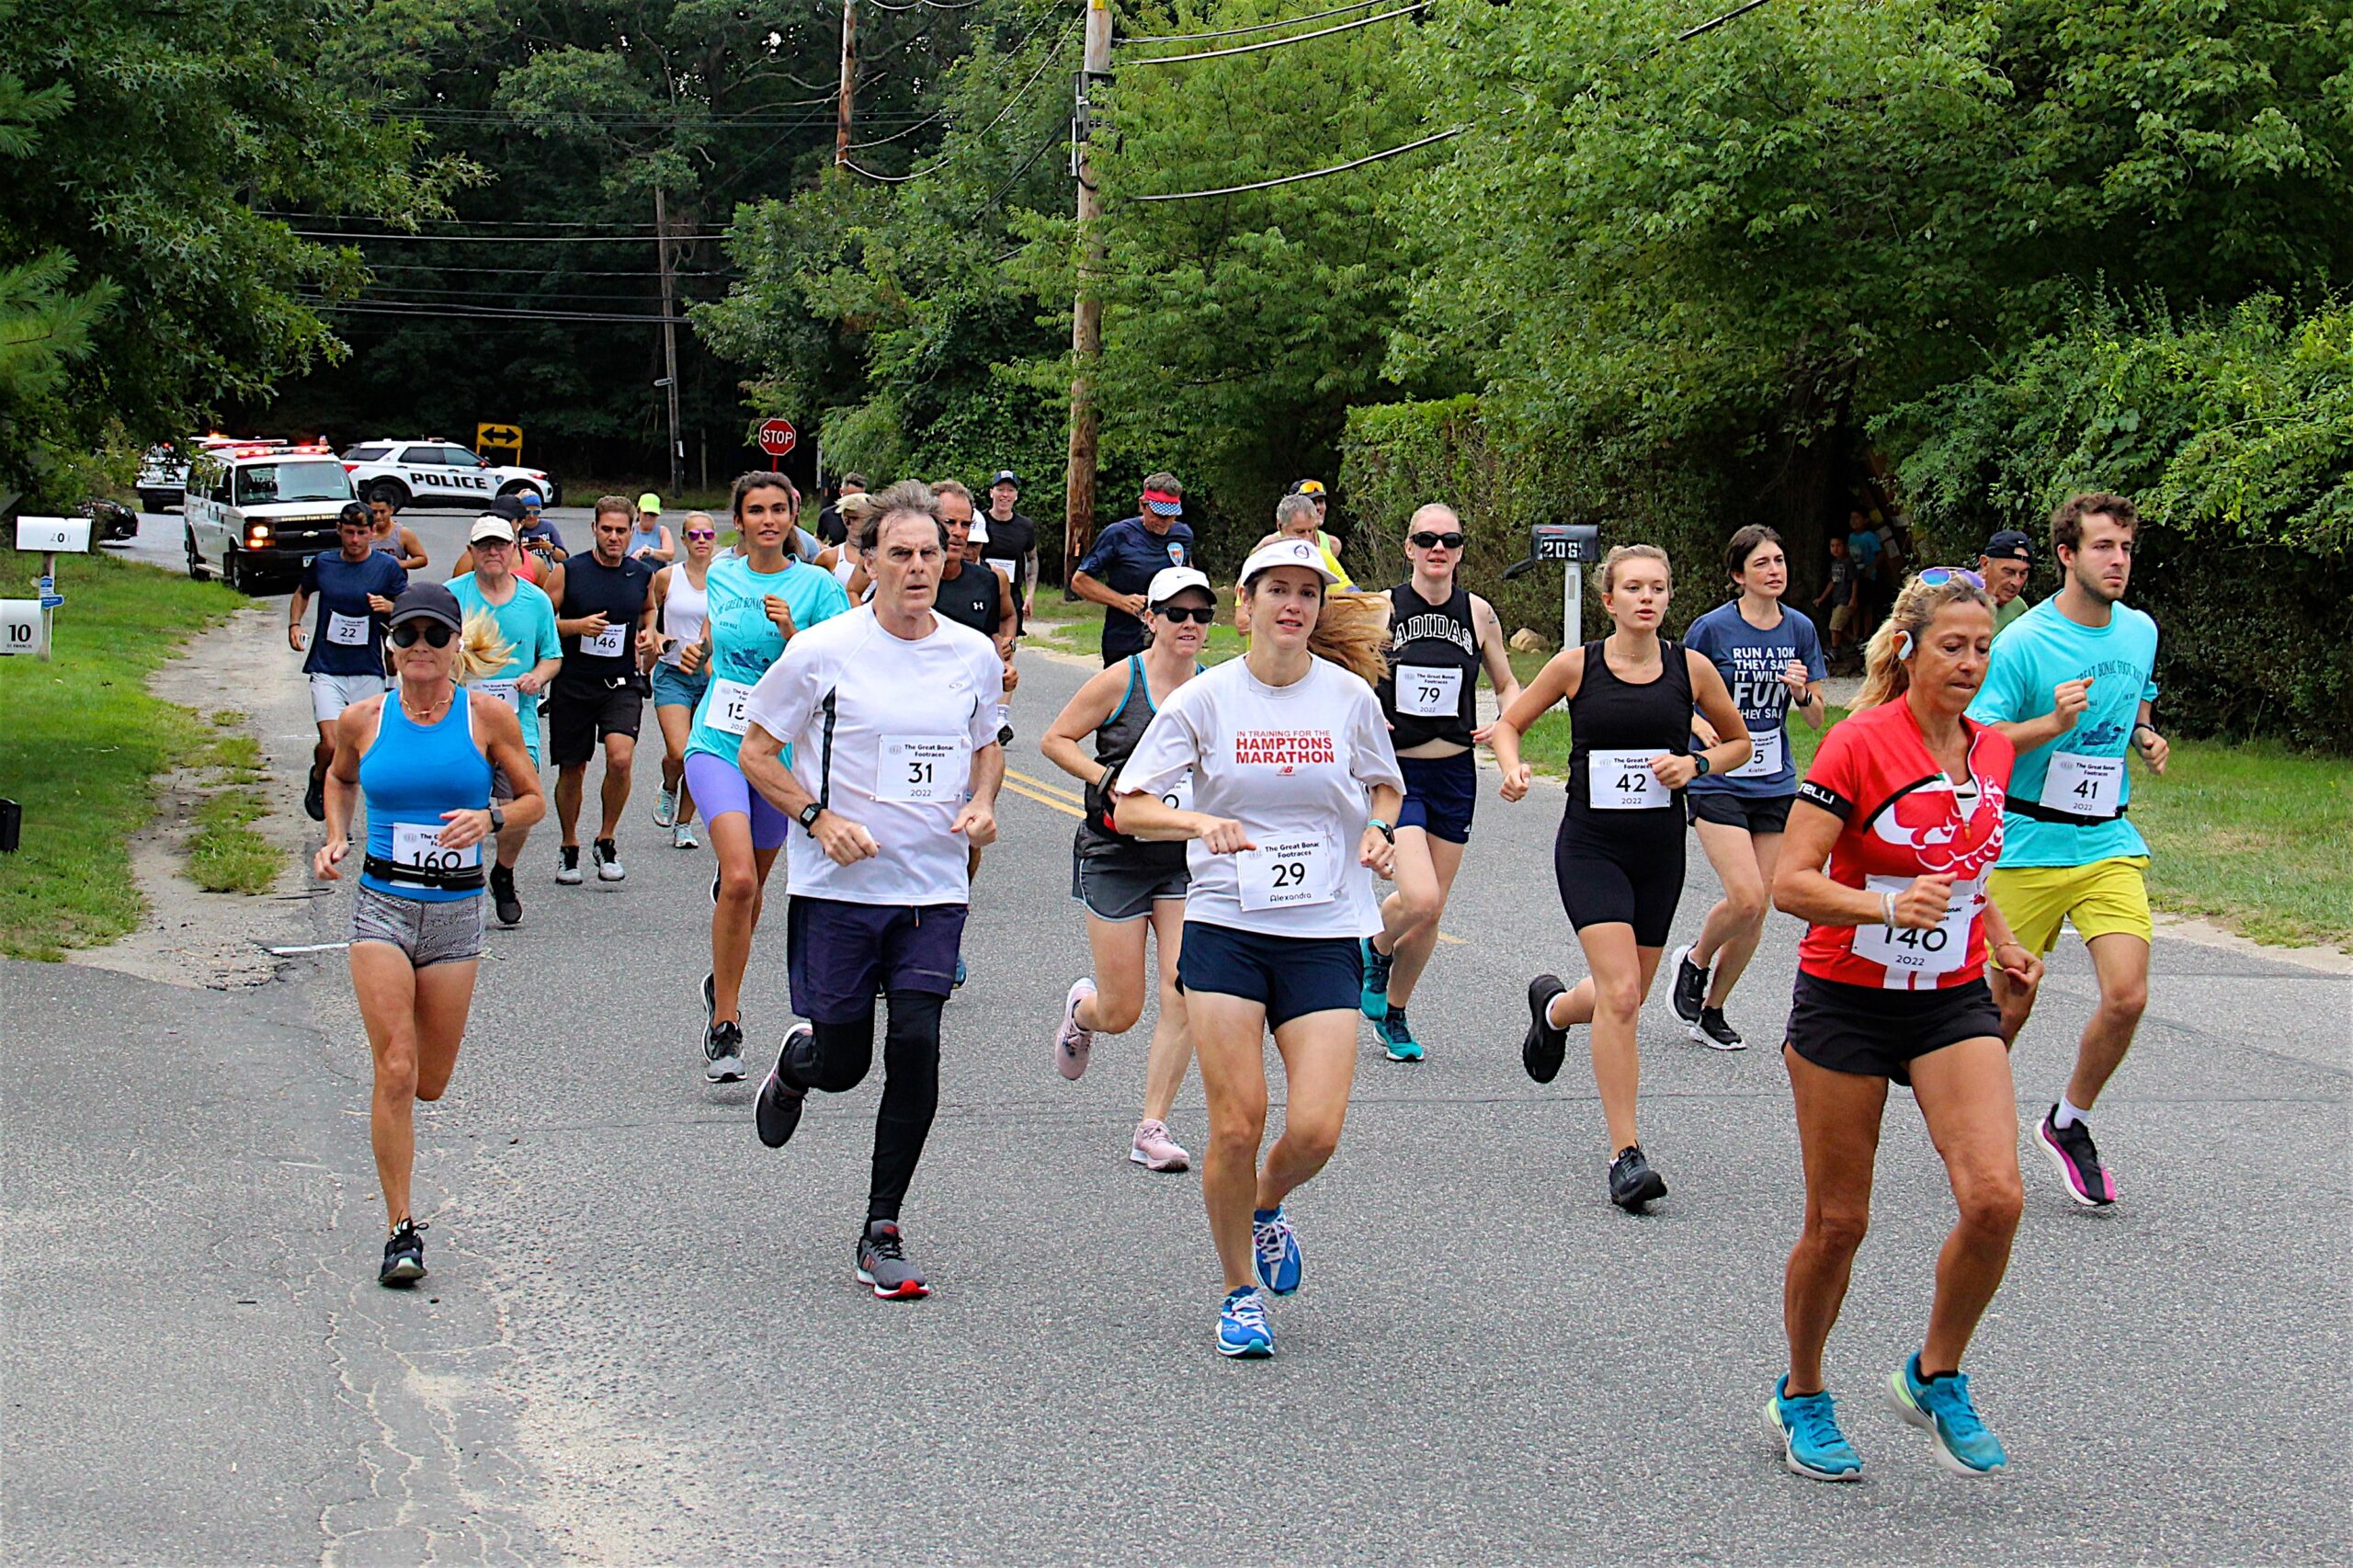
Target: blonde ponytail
x=1352 y=633
x=482 y=647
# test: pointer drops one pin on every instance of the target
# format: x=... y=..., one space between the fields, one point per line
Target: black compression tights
x=835 y=1057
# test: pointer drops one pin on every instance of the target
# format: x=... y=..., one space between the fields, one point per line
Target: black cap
x=507 y=506
x=1005 y=476
x=2009 y=545
x=429 y=601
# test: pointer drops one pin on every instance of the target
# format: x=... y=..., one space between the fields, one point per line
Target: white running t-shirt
x=1292 y=765
x=883 y=731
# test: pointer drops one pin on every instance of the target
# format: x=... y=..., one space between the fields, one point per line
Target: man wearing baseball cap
x=526 y=617
x=2008 y=557
x=1126 y=558
x=1012 y=541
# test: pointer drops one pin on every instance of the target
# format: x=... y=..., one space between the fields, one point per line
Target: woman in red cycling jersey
x=1904 y=803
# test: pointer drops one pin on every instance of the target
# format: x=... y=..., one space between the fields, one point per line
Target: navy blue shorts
x=1439 y=793
x=1292 y=976
x=840 y=955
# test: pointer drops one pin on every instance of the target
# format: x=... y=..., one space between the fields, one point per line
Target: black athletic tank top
x=970 y=600
x=1115 y=742
x=1607 y=715
x=1431 y=639
x=619 y=592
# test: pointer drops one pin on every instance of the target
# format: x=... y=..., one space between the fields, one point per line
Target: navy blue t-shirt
x=1125 y=559
x=349 y=637
x=1751 y=661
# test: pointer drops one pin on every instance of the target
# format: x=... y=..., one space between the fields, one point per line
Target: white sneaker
x=567 y=865
x=1072 y=1043
x=607 y=857
x=1153 y=1150
x=682 y=837
x=665 y=807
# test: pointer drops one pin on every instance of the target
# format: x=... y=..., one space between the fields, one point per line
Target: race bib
x=1291 y=875
x=1940 y=949
x=605 y=644
x=347 y=630
x=1766 y=760
x=418 y=846
x=506 y=691
x=729 y=712
x=1430 y=693
x=1623 y=781
x=921 y=768
x=2084 y=786
x=1178 y=797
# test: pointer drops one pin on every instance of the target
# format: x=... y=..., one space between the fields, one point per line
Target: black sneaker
x=608 y=856
x=1543 y=1050
x=567 y=865
x=722 y=1047
x=777 y=1110
x=1711 y=1032
x=314 y=797
x=403 y=1256
x=1690 y=992
x=2077 y=1161
x=503 y=897
x=883 y=1263
x=1633 y=1183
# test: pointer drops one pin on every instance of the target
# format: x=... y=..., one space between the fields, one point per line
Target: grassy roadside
x=81 y=743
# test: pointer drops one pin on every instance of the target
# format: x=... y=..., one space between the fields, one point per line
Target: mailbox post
x=25 y=624
x=1574 y=545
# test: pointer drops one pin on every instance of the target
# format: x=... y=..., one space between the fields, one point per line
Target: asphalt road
x=641 y=1341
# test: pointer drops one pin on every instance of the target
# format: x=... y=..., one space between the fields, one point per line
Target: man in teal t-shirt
x=2070 y=683
x=526 y=619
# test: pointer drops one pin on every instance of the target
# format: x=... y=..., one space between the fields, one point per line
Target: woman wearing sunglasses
x=422 y=759
x=1441 y=635
x=679 y=599
x=1131 y=888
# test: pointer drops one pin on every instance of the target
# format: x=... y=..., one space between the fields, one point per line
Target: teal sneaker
x=1397 y=1036
x=1375 y=999
x=1963 y=1445
x=1807 y=1429
x=1241 y=1330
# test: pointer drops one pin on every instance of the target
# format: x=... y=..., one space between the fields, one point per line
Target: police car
x=434 y=474
x=257 y=511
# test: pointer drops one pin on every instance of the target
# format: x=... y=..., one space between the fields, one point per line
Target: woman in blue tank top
x=440 y=770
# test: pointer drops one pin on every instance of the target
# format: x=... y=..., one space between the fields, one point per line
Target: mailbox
x=54 y=535
x=1580 y=542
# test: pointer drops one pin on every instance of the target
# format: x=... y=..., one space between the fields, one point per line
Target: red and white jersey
x=1905 y=819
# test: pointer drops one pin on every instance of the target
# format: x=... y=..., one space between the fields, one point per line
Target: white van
x=256 y=513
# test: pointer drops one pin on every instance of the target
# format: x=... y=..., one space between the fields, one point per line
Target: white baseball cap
x=979 y=532
x=1289 y=552
x=1171 y=581
x=490 y=525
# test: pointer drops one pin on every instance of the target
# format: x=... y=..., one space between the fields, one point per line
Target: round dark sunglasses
x=405 y=634
x=1200 y=614
x=1431 y=541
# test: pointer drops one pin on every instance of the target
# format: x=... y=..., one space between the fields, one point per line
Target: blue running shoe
x=1375 y=1000
x=1276 y=1249
x=1397 y=1035
x=1807 y=1429
x=1963 y=1445
x=958 y=984
x=1242 y=1326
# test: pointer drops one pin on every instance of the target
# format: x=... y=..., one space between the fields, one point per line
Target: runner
x=678 y=590
x=1619 y=855
x=2072 y=685
x=1295 y=790
x=2008 y=559
x=850 y=565
x=424 y=763
x=1131 y=887
x=1770 y=660
x=394 y=539
x=1321 y=499
x=1904 y=803
x=1127 y=556
x=832 y=522
x=757 y=600
x=1439 y=635
x=1299 y=516
x=650 y=540
x=525 y=620
x=1012 y=543
x=975 y=594
x=894 y=773
x=344 y=659
x=604 y=614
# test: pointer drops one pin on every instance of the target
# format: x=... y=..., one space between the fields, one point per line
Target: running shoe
x=608 y=856
x=403 y=1256
x=723 y=1045
x=1073 y=1045
x=1156 y=1150
x=1276 y=1249
x=1545 y=1047
x=503 y=897
x=958 y=983
x=710 y=998
x=1241 y=1330
x=1633 y=1183
x=1397 y=1037
x=567 y=865
x=314 y=796
x=1963 y=1444
x=666 y=809
x=715 y=875
x=682 y=837
x=1690 y=992
x=883 y=1263
x=1806 y=1425
x=1714 y=1033
x=777 y=1109
x=1374 y=1002
x=2070 y=1151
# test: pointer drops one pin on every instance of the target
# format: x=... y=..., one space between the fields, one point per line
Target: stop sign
x=777 y=438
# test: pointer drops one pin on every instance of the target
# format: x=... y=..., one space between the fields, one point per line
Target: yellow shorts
x=2101 y=897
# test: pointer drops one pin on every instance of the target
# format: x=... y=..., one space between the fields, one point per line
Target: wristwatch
x=497 y=818
x=809 y=815
x=1387 y=832
x=1699 y=762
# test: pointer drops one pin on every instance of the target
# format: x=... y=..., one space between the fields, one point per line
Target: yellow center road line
x=1040 y=786
x=1062 y=806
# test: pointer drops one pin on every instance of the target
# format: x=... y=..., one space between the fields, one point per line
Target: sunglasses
x=1200 y=614
x=1432 y=541
x=702 y=533
x=405 y=634
x=1938 y=577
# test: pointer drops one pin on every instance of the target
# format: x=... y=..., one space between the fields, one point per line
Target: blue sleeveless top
x=413 y=773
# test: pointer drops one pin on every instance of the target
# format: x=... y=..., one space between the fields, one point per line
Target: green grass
x=225 y=854
x=81 y=742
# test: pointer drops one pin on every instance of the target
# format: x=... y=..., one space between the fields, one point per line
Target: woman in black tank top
x=1618 y=855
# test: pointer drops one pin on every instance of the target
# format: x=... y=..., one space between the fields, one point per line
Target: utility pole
x=1086 y=312
x=669 y=341
x=849 y=81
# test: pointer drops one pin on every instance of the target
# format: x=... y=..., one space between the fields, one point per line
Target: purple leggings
x=720 y=787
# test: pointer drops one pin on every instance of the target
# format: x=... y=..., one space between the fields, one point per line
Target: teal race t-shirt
x=527 y=621
x=744 y=642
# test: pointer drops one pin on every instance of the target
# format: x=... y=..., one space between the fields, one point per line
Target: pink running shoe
x=1156 y=1150
x=1073 y=1044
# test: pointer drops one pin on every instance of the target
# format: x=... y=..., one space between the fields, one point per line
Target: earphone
x=1903 y=646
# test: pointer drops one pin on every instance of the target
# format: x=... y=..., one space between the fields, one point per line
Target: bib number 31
x=920 y=769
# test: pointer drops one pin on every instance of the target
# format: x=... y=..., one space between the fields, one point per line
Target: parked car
x=437 y=473
x=163 y=470
x=256 y=513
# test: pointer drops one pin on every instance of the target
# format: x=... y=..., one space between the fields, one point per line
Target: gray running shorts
x=446 y=931
x=1118 y=891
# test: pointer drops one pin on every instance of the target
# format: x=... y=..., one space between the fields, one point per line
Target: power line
x=1237 y=32
x=1713 y=22
x=1011 y=104
x=1026 y=164
x=1295 y=37
x=1311 y=174
x=423 y=312
x=535 y=271
x=504 y=239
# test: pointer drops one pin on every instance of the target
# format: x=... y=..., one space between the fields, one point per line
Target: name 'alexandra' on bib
x=1283 y=748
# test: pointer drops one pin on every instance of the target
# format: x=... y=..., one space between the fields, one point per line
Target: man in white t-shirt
x=891 y=713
